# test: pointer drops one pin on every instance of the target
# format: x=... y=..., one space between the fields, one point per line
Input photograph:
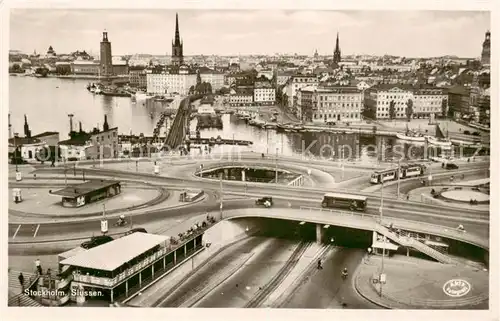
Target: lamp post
x=221 y=196
x=276 y=165
x=399 y=174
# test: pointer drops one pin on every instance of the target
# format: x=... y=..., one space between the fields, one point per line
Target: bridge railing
x=416 y=226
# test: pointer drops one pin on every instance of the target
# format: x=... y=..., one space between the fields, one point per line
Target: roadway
x=325 y=289
x=216 y=283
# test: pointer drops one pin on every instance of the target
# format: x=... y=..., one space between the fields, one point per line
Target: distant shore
x=87 y=77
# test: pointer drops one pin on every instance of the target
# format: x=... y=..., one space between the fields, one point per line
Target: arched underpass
x=349 y=237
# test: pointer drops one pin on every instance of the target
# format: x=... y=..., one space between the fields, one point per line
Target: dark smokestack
x=80 y=126
x=105 y=127
x=27 y=132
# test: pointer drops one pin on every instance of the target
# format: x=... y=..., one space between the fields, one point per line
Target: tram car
x=405 y=171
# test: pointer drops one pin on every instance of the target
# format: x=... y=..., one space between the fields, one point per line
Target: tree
x=223 y=91
x=16 y=156
x=392 y=110
x=409 y=109
x=191 y=90
x=42 y=71
x=198 y=78
x=444 y=107
x=16 y=68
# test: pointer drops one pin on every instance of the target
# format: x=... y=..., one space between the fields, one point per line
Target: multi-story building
x=459 y=101
x=382 y=96
x=294 y=84
x=138 y=77
x=480 y=104
x=283 y=76
x=264 y=95
x=305 y=102
x=93 y=145
x=214 y=78
x=170 y=83
x=428 y=101
x=85 y=67
x=241 y=97
x=337 y=104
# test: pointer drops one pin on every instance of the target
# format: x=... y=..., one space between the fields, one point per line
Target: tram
x=405 y=171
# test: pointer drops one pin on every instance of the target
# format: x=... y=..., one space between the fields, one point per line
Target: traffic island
x=40 y=202
x=417 y=284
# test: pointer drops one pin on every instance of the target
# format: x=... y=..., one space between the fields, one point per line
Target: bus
x=406 y=171
x=338 y=200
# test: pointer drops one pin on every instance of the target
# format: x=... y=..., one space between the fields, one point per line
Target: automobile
x=476 y=134
x=136 y=230
x=96 y=241
x=266 y=201
x=451 y=166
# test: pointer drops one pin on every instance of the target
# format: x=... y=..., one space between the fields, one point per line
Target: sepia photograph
x=252 y=158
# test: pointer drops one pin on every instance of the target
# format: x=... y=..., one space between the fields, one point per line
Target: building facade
x=106 y=62
x=264 y=95
x=170 y=83
x=337 y=104
x=427 y=101
x=305 y=103
x=294 y=84
x=459 y=101
x=383 y=95
x=138 y=78
x=214 y=78
x=85 y=67
x=177 y=45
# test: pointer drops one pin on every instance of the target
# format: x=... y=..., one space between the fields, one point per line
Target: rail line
x=263 y=294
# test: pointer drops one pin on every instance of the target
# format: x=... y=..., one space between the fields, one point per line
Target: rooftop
x=46 y=134
x=112 y=255
x=84 y=188
x=18 y=141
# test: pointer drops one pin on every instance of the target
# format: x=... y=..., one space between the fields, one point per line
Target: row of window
x=352 y=105
x=342 y=97
x=337 y=116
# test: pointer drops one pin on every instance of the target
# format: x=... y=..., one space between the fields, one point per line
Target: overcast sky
x=404 y=33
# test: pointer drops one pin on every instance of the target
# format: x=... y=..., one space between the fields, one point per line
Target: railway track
x=263 y=294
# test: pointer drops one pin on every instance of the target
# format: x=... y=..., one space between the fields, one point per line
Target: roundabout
x=161 y=219
x=38 y=201
x=466 y=196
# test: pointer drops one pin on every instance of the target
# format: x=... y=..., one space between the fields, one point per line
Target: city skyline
x=231 y=32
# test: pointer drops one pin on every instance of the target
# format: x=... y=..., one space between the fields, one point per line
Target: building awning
x=386 y=245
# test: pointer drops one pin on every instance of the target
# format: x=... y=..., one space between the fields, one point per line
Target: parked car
x=96 y=241
x=266 y=201
x=476 y=134
x=136 y=230
x=451 y=166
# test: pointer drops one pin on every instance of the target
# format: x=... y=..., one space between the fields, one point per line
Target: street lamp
x=399 y=174
x=276 y=166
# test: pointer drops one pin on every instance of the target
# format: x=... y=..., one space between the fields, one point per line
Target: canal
x=47 y=103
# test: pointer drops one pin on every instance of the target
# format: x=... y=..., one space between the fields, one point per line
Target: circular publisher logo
x=456 y=288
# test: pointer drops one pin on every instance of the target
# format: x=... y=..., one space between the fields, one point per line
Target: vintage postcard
x=288 y=158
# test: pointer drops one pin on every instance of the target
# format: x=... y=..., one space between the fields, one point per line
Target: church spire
x=336 y=53
x=177 y=40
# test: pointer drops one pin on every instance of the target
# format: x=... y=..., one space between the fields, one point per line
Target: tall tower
x=27 y=131
x=336 y=53
x=177 y=52
x=485 y=55
x=106 y=66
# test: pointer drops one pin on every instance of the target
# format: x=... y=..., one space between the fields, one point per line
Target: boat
x=439 y=142
x=411 y=136
x=97 y=91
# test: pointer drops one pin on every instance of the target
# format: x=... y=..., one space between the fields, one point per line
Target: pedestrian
x=21 y=280
x=319 y=265
x=34 y=177
x=38 y=266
